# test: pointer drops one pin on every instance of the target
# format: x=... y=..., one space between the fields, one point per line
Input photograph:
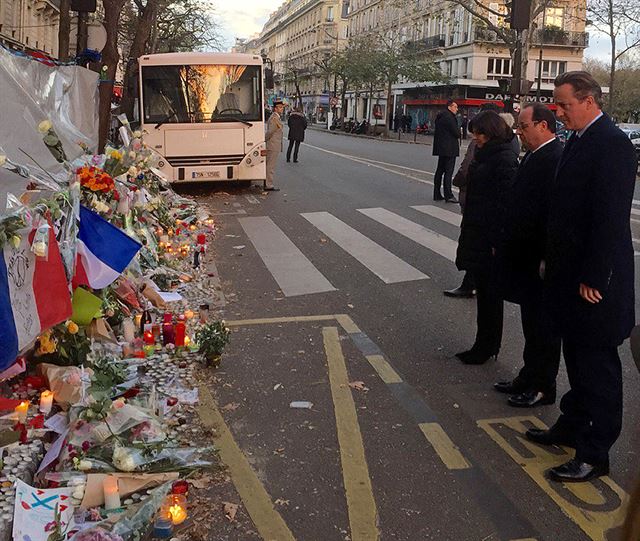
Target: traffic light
x=519 y=14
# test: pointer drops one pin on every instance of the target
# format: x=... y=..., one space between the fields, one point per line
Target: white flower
x=137 y=134
x=45 y=126
x=3 y=159
x=40 y=248
x=123 y=460
x=84 y=465
x=133 y=171
x=132 y=155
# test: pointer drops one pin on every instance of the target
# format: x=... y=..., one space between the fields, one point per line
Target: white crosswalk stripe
x=425 y=237
x=442 y=214
x=294 y=273
x=385 y=265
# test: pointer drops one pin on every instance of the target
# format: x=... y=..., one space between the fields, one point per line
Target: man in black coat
x=589 y=275
x=297 y=125
x=523 y=250
x=446 y=145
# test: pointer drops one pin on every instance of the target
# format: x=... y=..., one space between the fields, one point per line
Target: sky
x=243 y=18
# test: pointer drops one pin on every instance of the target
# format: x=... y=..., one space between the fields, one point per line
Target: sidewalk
x=411 y=138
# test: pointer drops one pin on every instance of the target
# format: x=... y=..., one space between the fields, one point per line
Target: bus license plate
x=205 y=174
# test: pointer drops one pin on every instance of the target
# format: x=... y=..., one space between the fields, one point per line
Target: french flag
x=34 y=295
x=103 y=251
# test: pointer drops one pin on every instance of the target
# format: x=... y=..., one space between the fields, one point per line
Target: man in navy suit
x=589 y=275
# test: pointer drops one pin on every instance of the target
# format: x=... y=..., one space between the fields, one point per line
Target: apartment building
x=30 y=25
x=470 y=52
x=299 y=37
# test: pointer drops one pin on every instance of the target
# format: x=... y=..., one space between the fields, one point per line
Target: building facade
x=299 y=38
x=470 y=51
x=30 y=25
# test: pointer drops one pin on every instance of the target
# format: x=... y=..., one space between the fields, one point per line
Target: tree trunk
x=343 y=102
x=389 y=112
x=612 y=68
x=64 y=30
x=110 y=58
x=146 y=20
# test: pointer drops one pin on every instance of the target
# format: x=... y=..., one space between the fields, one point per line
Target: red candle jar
x=181 y=330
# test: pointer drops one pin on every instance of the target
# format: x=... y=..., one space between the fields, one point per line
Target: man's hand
x=590 y=294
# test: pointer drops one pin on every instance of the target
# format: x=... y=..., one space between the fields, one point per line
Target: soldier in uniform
x=273 y=139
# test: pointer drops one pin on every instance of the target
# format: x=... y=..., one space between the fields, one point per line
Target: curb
x=382 y=139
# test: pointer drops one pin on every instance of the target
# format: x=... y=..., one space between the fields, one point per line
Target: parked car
x=561 y=132
x=634 y=135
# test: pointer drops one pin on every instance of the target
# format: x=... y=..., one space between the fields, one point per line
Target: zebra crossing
x=296 y=275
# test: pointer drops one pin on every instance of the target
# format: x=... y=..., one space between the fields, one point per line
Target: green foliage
x=626 y=103
x=212 y=337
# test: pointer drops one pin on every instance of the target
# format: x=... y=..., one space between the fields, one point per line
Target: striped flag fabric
x=103 y=251
x=34 y=295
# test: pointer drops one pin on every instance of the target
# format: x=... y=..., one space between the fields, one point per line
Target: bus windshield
x=201 y=93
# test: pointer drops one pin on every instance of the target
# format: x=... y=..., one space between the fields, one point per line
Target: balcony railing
x=549 y=36
x=541 y=36
x=427 y=44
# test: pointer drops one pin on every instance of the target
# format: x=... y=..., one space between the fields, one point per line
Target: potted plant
x=212 y=338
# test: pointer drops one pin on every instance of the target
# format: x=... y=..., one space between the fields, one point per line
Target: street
x=333 y=288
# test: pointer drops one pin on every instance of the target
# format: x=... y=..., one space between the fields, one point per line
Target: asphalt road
x=334 y=285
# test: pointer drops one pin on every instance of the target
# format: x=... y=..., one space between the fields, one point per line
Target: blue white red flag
x=34 y=295
x=104 y=251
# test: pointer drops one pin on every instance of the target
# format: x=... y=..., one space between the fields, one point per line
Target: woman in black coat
x=491 y=174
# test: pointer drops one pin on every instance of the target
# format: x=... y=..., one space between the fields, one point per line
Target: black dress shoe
x=451 y=200
x=515 y=386
x=295 y=161
x=438 y=198
x=460 y=293
x=530 y=399
x=548 y=437
x=272 y=189
x=475 y=356
x=575 y=471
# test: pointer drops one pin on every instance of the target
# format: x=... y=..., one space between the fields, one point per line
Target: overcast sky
x=243 y=18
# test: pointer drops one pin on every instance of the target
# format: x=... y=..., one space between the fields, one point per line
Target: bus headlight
x=248 y=161
x=161 y=164
x=256 y=153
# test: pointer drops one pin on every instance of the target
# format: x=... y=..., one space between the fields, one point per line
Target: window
x=498 y=68
x=330 y=14
x=554 y=17
x=550 y=69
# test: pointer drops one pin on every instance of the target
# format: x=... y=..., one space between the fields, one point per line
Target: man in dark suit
x=446 y=145
x=589 y=275
x=523 y=250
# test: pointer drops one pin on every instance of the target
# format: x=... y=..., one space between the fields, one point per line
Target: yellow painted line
x=442 y=444
x=384 y=369
x=269 y=320
x=361 y=504
x=597 y=507
x=267 y=520
x=347 y=324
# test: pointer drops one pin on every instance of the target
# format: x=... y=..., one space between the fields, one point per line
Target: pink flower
x=50 y=526
x=86 y=446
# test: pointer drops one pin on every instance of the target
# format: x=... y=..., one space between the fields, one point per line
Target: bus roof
x=164 y=59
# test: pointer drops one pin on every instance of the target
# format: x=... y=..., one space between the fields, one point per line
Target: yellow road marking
x=359 y=492
x=597 y=507
x=442 y=444
x=347 y=324
x=267 y=520
x=384 y=369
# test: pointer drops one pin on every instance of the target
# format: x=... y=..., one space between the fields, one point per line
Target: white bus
x=204 y=114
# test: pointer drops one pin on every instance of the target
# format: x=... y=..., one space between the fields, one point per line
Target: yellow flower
x=15 y=241
x=116 y=155
x=3 y=159
x=45 y=126
x=72 y=327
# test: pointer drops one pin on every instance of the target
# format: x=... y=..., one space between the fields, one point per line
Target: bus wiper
x=226 y=118
x=165 y=120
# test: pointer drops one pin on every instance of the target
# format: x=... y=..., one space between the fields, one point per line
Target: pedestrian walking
x=396 y=123
x=408 y=123
x=446 y=145
x=465 y=126
x=491 y=175
x=467 y=288
x=521 y=256
x=273 y=139
x=589 y=275
x=297 y=125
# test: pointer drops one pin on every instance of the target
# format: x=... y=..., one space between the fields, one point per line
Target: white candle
x=21 y=411
x=111 y=494
x=129 y=330
x=46 y=402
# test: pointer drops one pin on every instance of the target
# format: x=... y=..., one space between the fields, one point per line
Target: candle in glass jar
x=129 y=330
x=111 y=493
x=176 y=508
x=21 y=412
x=46 y=402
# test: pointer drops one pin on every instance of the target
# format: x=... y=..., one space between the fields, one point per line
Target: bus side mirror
x=268 y=79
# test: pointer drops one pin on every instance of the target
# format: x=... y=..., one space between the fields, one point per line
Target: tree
x=619 y=20
x=626 y=102
x=109 y=65
x=64 y=30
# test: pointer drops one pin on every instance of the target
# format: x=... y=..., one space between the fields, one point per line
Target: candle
x=204 y=313
x=138 y=319
x=129 y=330
x=21 y=412
x=189 y=314
x=111 y=494
x=46 y=402
x=176 y=508
x=180 y=331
